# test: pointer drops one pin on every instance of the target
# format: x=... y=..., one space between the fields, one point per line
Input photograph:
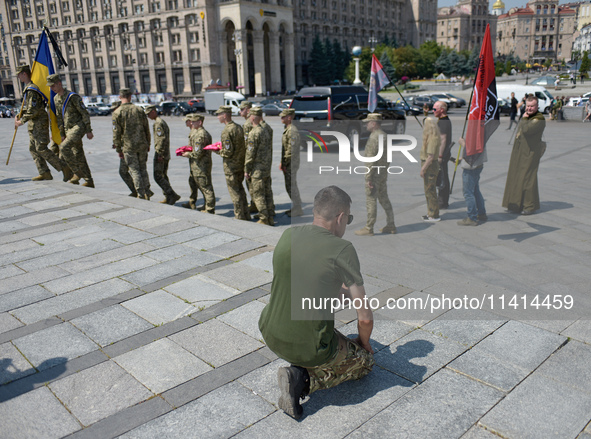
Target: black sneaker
x=293 y=382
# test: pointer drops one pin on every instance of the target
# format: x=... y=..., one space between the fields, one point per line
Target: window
x=173 y=22
x=141 y=42
x=195 y=55
x=194 y=37
x=72 y=64
x=71 y=49
x=143 y=58
x=94 y=16
x=21 y=53
x=177 y=56
x=65 y=6
x=29 y=25
x=85 y=63
x=175 y=39
x=160 y=57
x=155 y=24
x=156 y=7
x=139 y=9
x=67 y=19
x=52 y=8
x=128 y=60
x=172 y=5
x=113 y=61
x=15 y=14
x=158 y=40
x=97 y=45
x=191 y=19
x=99 y=61
x=123 y=11
x=139 y=26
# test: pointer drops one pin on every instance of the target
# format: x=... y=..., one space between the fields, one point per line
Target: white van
x=544 y=97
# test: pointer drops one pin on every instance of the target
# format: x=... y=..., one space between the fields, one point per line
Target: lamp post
x=356 y=51
x=236 y=36
x=372 y=43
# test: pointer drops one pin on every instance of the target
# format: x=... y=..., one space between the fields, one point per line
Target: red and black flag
x=377 y=81
x=483 y=118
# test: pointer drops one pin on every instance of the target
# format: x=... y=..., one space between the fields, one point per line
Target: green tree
x=341 y=60
x=548 y=63
x=585 y=64
x=442 y=64
x=330 y=60
x=508 y=66
x=318 y=65
x=388 y=67
x=429 y=53
x=405 y=61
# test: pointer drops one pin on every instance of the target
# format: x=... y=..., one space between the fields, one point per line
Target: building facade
x=181 y=46
x=461 y=27
x=542 y=30
x=582 y=42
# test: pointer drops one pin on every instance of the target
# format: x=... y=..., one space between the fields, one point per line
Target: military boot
x=68 y=174
x=88 y=183
x=364 y=232
x=389 y=229
x=75 y=179
x=44 y=176
x=171 y=199
x=189 y=205
x=294 y=384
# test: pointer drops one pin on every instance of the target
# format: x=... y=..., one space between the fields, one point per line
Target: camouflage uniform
x=268 y=188
x=258 y=166
x=131 y=136
x=247 y=128
x=162 y=158
x=73 y=122
x=352 y=362
x=200 y=162
x=378 y=177
x=290 y=163
x=233 y=152
x=123 y=169
x=34 y=112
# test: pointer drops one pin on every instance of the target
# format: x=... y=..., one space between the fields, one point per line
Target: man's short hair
x=532 y=98
x=442 y=105
x=330 y=202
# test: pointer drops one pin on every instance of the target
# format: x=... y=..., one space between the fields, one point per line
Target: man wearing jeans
x=472 y=195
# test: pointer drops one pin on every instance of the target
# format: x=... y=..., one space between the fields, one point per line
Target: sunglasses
x=349 y=218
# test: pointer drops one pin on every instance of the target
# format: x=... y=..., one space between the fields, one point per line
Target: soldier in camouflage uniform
x=123 y=169
x=376 y=181
x=200 y=160
x=162 y=155
x=257 y=166
x=131 y=137
x=245 y=107
x=233 y=152
x=33 y=111
x=290 y=161
x=73 y=121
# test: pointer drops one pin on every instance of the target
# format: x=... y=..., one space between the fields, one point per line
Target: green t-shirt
x=309 y=265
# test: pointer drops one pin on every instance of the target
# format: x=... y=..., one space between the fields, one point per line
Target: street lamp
x=372 y=43
x=236 y=36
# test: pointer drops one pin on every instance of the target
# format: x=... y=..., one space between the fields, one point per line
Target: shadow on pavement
x=519 y=237
x=27 y=383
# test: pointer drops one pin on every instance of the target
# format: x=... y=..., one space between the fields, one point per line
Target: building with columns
x=461 y=27
x=540 y=31
x=155 y=46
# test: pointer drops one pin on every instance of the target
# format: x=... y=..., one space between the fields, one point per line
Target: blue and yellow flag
x=41 y=69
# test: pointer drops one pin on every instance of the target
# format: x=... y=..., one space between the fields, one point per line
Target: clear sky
x=508 y=3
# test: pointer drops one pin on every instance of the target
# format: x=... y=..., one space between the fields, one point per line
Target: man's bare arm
x=364 y=317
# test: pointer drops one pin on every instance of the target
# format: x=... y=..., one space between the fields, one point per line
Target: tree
x=429 y=53
x=442 y=64
x=508 y=66
x=585 y=64
x=388 y=67
x=318 y=65
x=341 y=60
x=330 y=60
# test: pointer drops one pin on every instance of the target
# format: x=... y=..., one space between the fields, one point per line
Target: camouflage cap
x=245 y=104
x=287 y=112
x=53 y=79
x=149 y=109
x=256 y=111
x=377 y=117
x=115 y=105
x=193 y=117
x=24 y=68
x=224 y=109
x=124 y=92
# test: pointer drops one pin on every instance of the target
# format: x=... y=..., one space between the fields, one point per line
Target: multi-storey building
x=180 y=46
x=582 y=42
x=462 y=26
x=542 y=30
x=360 y=23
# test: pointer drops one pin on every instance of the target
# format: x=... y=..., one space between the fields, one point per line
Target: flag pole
x=20 y=113
x=464 y=129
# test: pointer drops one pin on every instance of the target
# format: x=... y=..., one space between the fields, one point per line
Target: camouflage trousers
x=202 y=182
x=161 y=175
x=262 y=197
x=137 y=164
x=379 y=193
x=238 y=194
x=41 y=154
x=124 y=174
x=430 y=182
x=351 y=362
x=291 y=185
x=269 y=191
x=73 y=153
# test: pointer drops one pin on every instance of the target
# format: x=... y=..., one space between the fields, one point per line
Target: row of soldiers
x=247 y=150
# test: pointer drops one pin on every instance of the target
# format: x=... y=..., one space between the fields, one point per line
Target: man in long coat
x=521 y=190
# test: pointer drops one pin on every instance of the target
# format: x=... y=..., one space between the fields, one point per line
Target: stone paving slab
x=36 y=414
x=245 y=319
x=240 y=276
x=54 y=345
x=8 y=322
x=200 y=288
x=161 y=365
x=98 y=392
x=159 y=307
x=111 y=324
x=202 y=341
x=12 y=364
x=212 y=416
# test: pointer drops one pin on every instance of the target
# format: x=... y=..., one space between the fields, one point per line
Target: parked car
x=317 y=108
x=198 y=104
x=420 y=101
x=101 y=109
x=458 y=101
x=92 y=111
x=273 y=109
x=504 y=106
x=171 y=108
x=409 y=110
x=441 y=97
